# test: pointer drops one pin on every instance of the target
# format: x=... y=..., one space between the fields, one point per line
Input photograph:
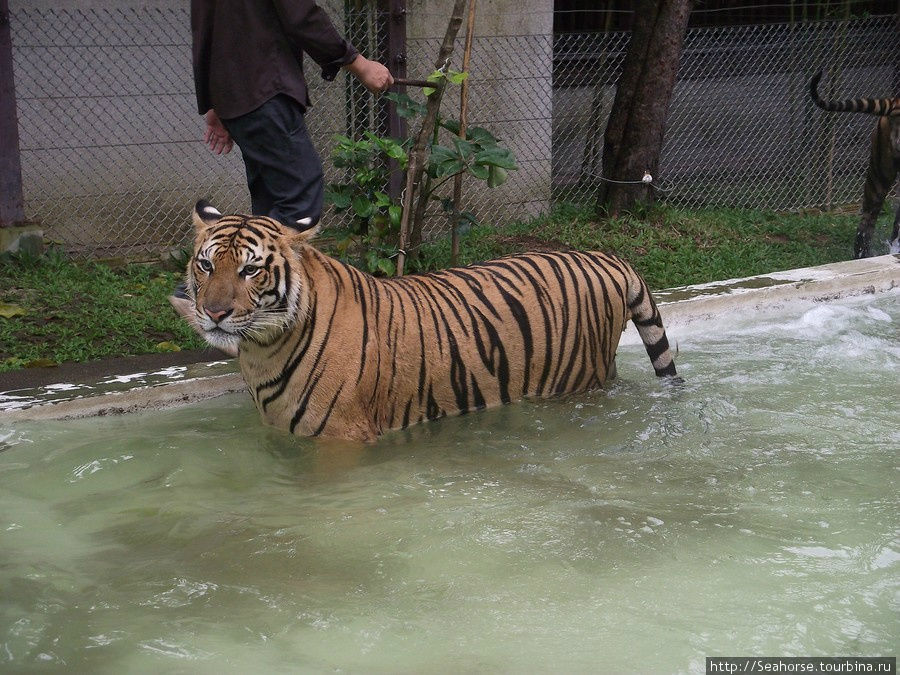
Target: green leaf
x=496 y=156
x=393 y=149
x=362 y=206
x=480 y=171
x=441 y=153
x=456 y=77
x=451 y=125
x=395 y=213
x=464 y=149
x=342 y=246
x=406 y=107
x=435 y=77
x=497 y=177
x=8 y=311
x=167 y=347
x=339 y=196
x=449 y=168
x=381 y=199
x=481 y=135
x=386 y=266
x=365 y=177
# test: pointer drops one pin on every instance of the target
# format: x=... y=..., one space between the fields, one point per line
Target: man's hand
x=217 y=137
x=374 y=76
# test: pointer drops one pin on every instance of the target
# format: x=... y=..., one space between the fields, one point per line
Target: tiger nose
x=217 y=314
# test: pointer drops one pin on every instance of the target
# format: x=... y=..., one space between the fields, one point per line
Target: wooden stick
x=405 y=82
x=463 y=113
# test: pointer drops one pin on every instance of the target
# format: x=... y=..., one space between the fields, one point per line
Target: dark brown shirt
x=247 y=51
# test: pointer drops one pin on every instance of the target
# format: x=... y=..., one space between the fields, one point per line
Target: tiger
x=328 y=350
x=884 y=162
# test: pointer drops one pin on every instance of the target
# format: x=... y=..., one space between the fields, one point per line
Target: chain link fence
x=112 y=159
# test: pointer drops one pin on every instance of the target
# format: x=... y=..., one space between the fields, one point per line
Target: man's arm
x=310 y=29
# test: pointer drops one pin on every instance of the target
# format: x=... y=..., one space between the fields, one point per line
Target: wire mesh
x=112 y=156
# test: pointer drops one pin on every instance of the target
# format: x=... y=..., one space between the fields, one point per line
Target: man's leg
x=284 y=172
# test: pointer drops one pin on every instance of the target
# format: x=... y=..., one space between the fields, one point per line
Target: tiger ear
x=300 y=238
x=205 y=216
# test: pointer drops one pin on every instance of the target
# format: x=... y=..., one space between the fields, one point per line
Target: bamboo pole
x=417 y=155
x=463 y=114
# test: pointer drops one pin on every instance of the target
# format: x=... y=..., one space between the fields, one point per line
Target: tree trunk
x=634 y=134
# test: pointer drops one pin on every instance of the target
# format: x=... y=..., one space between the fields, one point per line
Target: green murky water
x=753 y=511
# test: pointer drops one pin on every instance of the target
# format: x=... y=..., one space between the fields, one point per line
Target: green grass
x=85 y=311
x=673 y=247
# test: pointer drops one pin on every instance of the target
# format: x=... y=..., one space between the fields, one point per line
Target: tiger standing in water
x=327 y=350
x=884 y=162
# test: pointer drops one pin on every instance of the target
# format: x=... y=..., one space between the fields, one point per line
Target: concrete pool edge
x=689 y=304
x=170 y=387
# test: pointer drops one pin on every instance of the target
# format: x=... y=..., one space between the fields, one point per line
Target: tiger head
x=244 y=277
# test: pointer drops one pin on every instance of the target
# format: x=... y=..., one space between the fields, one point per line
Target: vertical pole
x=463 y=119
x=11 y=209
x=395 y=55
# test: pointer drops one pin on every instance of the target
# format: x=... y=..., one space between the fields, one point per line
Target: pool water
x=752 y=511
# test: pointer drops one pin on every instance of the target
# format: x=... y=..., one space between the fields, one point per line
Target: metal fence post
x=395 y=51
x=11 y=202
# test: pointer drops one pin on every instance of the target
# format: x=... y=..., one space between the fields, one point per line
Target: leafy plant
x=375 y=217
x=452 y=76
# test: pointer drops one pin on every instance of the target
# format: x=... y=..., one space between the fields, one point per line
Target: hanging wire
x=646 y=180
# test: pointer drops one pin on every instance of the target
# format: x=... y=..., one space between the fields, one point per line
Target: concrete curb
x=680 y=306
x=690 y=304
x=126 y=393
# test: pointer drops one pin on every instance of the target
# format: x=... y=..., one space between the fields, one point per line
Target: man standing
x=250 y=85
